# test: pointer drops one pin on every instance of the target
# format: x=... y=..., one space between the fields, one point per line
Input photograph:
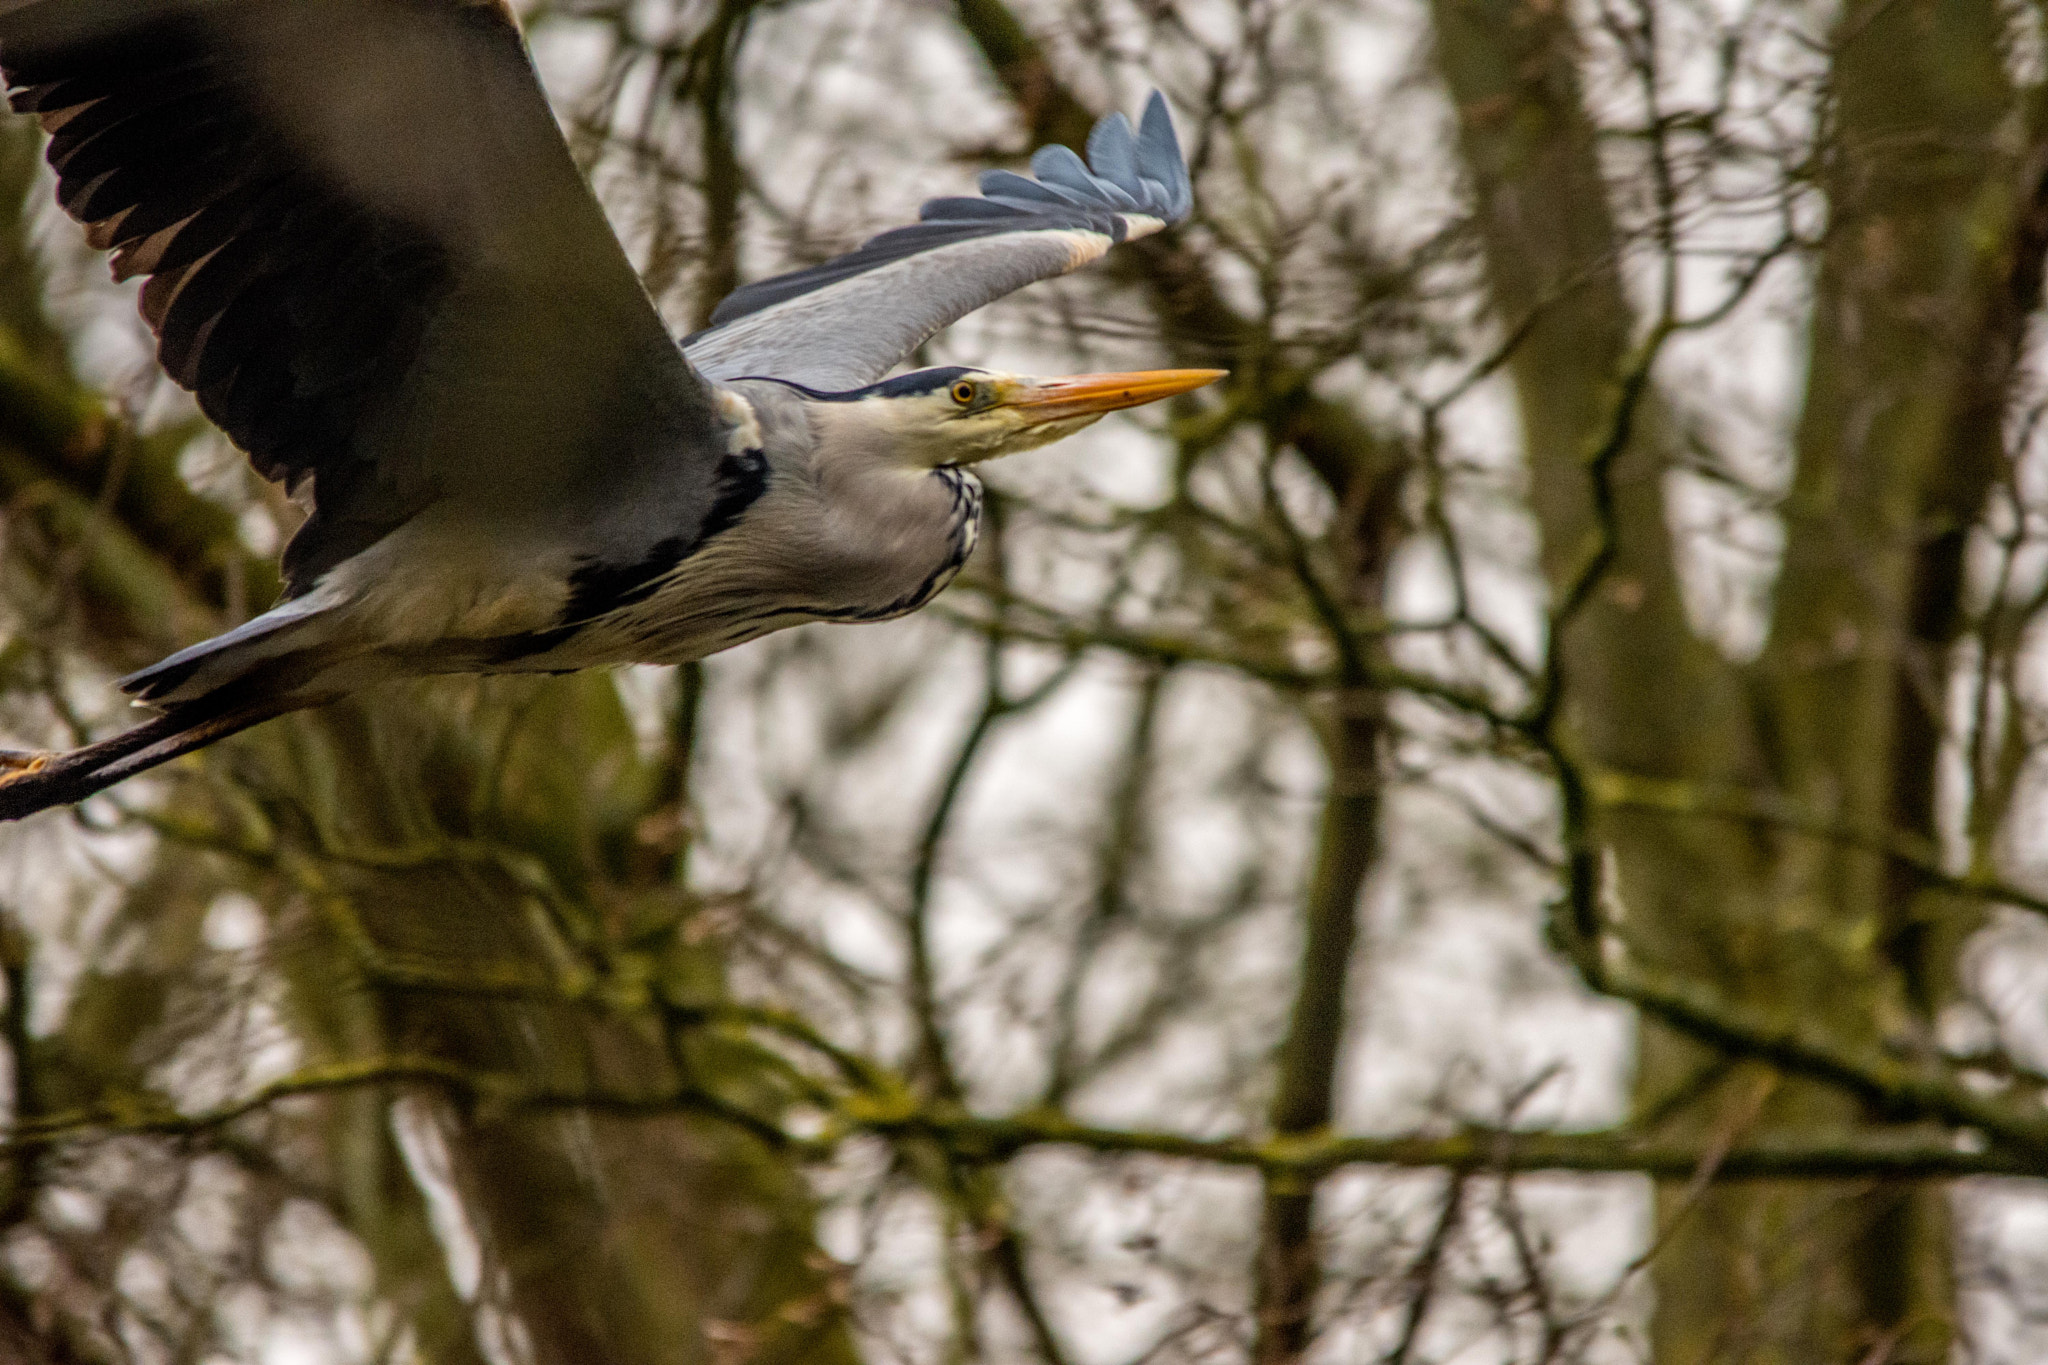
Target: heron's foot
x=18 y=763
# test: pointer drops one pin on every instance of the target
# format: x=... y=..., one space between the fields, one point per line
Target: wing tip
x=1160 y=157
x=1146 y=165
x=1134 y=183
x=1138 y=225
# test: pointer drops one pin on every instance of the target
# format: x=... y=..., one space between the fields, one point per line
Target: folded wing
x=849 y=321
x=371 y=257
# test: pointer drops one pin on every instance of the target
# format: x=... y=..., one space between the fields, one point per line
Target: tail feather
x=213 y=664
x=276 y=663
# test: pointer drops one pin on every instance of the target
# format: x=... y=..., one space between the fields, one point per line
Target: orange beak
x=1083 y=395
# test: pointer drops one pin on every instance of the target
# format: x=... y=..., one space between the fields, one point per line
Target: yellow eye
x=963 y=393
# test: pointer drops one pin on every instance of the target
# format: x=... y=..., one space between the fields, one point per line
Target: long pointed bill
x=1084 y=395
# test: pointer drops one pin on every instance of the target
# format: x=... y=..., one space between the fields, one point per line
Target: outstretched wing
x=372 y=259
x=848 y=322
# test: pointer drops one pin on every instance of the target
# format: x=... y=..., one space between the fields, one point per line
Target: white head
x=960 y=416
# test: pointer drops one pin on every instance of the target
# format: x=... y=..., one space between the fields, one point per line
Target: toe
x=18 y=763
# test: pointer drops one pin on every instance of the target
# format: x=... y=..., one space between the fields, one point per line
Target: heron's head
x=959 y=416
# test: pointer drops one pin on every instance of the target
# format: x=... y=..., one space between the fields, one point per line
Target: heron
x=369 y=254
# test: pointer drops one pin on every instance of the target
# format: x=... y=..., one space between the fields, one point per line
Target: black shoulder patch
x=598 y=587
x=742 y=479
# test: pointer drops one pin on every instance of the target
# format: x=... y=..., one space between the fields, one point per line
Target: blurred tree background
x=1503 y=834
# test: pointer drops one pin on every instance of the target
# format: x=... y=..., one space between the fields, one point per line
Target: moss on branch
x=899 y=1116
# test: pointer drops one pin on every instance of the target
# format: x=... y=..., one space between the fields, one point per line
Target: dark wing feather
x=372 y=259
x=852 y=319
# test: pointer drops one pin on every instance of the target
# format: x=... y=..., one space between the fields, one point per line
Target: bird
x=369 y=254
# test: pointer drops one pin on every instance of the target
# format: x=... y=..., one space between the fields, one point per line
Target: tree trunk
x=1894 y=457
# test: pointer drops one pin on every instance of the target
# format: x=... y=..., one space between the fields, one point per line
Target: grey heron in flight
x=369 y=255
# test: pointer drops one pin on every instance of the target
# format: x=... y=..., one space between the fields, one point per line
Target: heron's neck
x=899 y=507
